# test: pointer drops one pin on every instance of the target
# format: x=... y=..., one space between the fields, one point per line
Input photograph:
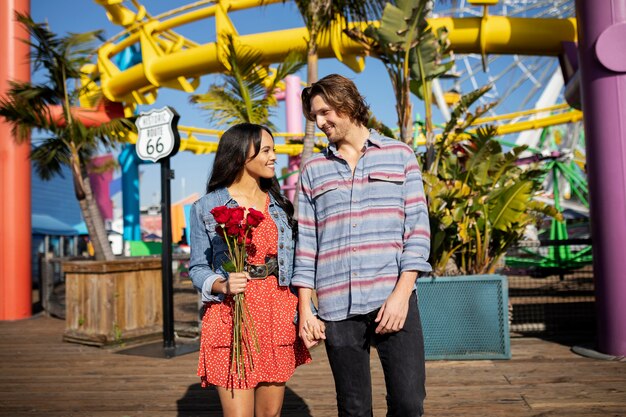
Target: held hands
x=310 y=328
x=236 y=283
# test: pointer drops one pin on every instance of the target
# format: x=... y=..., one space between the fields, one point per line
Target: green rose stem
x=243 y=324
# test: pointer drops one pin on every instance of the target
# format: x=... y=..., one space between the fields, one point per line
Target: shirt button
x=282 y=229
x=281 y=246
x=354 y=274
x=353 y=249
x=281 y=262
x=354 y=225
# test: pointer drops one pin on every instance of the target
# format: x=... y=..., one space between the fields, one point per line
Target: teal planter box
x=465 y=317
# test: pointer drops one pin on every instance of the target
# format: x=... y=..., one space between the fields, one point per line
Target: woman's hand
x=235 y=284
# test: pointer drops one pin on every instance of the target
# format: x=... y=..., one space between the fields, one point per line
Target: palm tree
x=318 y=15
x=412 y=54
x=69 y=142
x=246 y=94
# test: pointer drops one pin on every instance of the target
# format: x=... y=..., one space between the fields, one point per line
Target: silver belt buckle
x=256 y=276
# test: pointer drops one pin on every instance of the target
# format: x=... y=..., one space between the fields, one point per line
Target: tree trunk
x=91 y=214
x=405 y=110
x=99 y=231
x=430 y=135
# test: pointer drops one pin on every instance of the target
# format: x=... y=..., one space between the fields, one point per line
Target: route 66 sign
x=157 y=134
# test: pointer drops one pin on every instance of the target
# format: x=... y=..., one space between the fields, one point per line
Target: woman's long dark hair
x=231 y=156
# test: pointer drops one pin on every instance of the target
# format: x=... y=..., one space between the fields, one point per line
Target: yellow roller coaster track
x=190 y=142
x=173 y=61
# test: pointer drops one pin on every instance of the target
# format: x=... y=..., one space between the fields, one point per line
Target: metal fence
x=551 y=289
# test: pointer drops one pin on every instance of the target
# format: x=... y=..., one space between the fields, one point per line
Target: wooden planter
x=465 y=317
x=110 y=302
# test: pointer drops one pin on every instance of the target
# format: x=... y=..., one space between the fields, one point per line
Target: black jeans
x=401 y=355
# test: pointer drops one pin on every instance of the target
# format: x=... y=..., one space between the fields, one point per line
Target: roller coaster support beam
x=602 y=30
x=15 y=207
x=495 y=35
x=104 y=112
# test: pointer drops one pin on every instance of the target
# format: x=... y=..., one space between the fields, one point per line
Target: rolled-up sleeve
x=200 y=271
x=306 y=247
x=416 y=239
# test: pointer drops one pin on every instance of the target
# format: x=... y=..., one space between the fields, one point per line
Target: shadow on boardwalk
x=204 y=402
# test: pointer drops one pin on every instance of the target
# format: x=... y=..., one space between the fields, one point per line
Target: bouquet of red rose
x=236 y=228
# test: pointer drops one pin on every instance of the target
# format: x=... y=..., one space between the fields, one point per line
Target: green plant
x=480 y=201
x=117 y=334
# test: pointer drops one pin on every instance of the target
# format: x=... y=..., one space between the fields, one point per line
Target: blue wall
x=55 y=198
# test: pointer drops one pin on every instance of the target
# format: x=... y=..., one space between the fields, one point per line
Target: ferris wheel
x=519 y=82
x=528 y=87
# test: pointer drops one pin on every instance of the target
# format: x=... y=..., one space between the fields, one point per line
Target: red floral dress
x=272 y=308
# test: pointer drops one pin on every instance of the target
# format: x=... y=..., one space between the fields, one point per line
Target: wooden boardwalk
x=42 y=376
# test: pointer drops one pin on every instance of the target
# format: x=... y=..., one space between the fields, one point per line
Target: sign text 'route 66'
x=158 y=135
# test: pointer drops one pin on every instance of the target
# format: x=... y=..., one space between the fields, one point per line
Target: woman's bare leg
x=268 y=399
x=237 y=403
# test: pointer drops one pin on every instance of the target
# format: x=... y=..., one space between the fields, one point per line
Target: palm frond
x=49 y=157
x=222 y=107
x=291 y=64
x=318 y=14
x=244 y=95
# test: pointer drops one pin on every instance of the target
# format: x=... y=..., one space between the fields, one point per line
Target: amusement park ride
x=149 y=54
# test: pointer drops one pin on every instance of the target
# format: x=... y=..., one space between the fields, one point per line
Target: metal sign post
x=158 y=140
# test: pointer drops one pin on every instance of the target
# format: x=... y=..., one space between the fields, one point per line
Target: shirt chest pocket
x=326 y=199
x=386 y=188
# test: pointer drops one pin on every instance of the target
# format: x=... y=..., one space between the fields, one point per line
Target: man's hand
x=392 y=314
x=310 y=329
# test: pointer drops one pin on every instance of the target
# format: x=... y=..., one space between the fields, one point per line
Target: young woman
x=243 y=176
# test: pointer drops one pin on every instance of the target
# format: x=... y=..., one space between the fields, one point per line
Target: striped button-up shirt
x=358 y=233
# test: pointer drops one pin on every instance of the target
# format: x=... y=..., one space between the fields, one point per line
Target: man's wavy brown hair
x=340 y=94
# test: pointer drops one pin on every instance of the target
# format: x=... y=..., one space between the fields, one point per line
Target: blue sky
x=192 y=170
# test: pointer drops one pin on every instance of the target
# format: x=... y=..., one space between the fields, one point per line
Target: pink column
x=15 y=208
x=294 y=125
x=100 y=185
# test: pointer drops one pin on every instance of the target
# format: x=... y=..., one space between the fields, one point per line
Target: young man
x=363 y=236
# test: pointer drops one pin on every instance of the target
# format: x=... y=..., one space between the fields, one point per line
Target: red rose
x=254 y=218
x=221 y=214
x=250 y=249
x=233 y=230
x=236 y=214
x=220 y=231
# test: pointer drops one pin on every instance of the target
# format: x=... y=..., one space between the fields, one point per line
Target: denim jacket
x=209 y=250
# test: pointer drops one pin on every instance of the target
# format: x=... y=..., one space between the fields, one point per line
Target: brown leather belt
x=270 y=267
